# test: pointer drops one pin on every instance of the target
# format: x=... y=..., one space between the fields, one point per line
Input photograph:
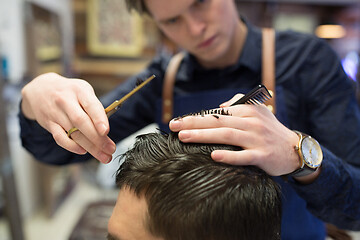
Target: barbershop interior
x=101 y=42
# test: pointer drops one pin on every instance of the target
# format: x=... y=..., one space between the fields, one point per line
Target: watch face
x=312 y=152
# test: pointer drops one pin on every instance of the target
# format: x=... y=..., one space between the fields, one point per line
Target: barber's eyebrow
x=167 y=20
x=111 y=237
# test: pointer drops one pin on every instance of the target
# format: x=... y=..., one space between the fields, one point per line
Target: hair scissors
x=112 y=108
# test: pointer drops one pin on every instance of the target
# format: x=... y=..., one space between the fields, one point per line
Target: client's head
x=171 y=190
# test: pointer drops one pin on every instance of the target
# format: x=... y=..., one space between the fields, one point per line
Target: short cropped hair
x=190 y=196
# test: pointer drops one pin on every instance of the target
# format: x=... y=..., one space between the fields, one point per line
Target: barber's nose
x=196 y=26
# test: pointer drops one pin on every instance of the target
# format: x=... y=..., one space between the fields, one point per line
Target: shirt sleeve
x=335 y=195
x=332 y=116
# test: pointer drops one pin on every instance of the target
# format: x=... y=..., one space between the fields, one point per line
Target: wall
x=12 y=38
x=13 y=49
x=64 y=10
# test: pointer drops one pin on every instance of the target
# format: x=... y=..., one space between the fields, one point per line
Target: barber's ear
x=232 y=100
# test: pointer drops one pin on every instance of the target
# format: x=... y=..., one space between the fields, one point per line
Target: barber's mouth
x=207 y=42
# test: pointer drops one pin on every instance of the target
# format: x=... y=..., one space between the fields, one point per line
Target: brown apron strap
x=168 y=87
x=268 y=65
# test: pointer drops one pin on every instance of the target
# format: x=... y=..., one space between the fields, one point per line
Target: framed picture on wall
x=45 y=33
x=301 y=22
x=112 y=30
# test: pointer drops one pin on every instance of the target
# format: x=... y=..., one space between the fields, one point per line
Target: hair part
x=190 y=196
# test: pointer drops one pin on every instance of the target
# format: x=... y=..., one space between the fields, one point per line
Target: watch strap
x=304 y=171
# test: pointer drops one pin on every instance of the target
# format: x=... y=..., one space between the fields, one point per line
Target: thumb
x=232 y=100
x=242 y=157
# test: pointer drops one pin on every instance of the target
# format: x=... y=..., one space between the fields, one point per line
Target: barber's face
x=128 y=219
x=203 y=27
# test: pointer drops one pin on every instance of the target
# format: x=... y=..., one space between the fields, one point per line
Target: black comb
x=256 y=96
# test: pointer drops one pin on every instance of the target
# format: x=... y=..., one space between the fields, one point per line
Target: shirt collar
x=250 y=56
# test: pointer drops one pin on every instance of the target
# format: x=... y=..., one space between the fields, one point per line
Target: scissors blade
x=112 y=108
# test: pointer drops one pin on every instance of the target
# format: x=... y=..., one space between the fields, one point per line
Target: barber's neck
x=231 y=56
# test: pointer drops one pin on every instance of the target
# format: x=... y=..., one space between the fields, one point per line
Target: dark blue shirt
x=315 y=93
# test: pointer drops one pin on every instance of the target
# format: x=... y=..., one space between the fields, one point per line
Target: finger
x=74 y=112
x=232 y=100
x=229 y=136
x=244 y=157
x=59 y=131
x=99 y=146
x=95 y=110
x=208 y=121
x=195 y=122
x=81 y=120
x=102 y=152
x=61 y=138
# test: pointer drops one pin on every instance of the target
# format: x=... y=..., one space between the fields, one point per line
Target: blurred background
x=97 y=40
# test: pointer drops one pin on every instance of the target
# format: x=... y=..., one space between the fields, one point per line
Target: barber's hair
x=190 y=196
x=137 y=5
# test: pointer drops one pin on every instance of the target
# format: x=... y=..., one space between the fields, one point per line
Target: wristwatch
x=310 y=155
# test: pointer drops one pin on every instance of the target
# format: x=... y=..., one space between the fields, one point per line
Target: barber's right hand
x=58 y=104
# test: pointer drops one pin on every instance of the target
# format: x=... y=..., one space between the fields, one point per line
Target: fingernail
x=109 y=148
x=175 y=124
x=109 y=160
x=104 y=158
x=102 y=128
x=82 y=151
x=217 y=156
x=184 y=135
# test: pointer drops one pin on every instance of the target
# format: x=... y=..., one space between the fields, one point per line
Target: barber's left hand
x=266 y=142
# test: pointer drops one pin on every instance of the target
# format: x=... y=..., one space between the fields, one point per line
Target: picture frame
x=113 y=31
x=45 y=32
x=301 y=22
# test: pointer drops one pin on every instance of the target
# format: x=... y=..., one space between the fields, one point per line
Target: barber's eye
x=172 y=20
x=201 y=3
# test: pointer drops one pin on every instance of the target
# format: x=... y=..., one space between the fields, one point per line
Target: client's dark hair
x=190 y=196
